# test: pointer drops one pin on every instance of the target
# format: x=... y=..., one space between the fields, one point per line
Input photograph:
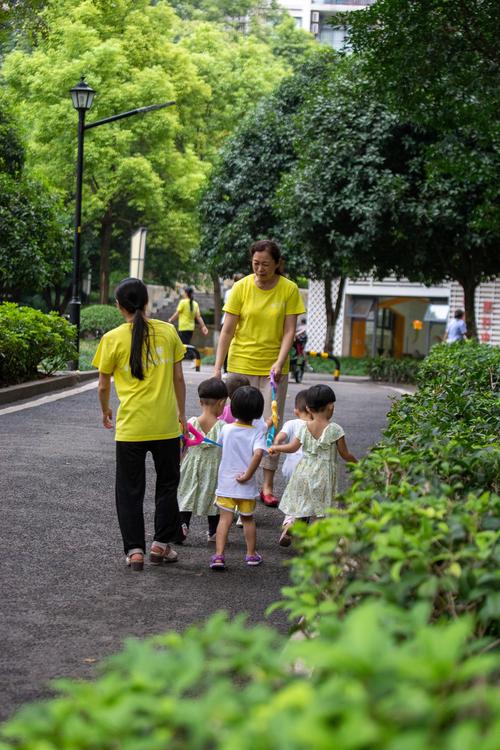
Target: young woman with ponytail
x=188 y=312
x=144 y=357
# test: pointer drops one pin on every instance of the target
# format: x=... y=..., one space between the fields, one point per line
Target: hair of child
x=300 y=400
x=318 y=397
x=247 y=403
x=234 y=381
x=213 y=389
x=132 y=295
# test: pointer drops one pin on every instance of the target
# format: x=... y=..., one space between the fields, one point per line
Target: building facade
x=397 y=317
x=315 y=16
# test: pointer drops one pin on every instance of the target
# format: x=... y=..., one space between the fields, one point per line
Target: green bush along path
x=67 y=598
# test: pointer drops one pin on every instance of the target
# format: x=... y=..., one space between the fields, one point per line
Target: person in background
x=188 y=312
x=200 y=464
x=456 y=330
x=145 y=359
x=258 y=332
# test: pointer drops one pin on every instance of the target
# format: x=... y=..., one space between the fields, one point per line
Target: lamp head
x=82 y=95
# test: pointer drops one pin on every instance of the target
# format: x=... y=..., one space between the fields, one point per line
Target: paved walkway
x=67 y=598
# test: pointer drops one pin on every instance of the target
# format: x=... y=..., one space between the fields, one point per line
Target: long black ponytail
x=190 y=294
x=132 y=295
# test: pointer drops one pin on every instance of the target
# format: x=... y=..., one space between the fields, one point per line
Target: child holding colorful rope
x=200 y=464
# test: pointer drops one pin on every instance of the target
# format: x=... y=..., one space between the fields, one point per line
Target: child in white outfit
x=287 y=433
x=242 y=448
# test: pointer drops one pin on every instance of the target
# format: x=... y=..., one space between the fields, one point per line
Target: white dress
x=199 y=469
x=313 y=486
x=291 y=430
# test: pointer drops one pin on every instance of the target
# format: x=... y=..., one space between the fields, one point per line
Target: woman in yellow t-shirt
x=188 y=311
x=257 y=335
x=145 y=359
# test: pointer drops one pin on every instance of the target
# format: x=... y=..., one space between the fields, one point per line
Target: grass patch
x=87 y=350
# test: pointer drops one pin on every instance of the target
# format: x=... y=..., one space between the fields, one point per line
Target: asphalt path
x=67 y=598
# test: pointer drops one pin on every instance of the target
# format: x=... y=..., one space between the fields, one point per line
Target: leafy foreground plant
x=382 y=680
x=422 y=517
x=30 y=339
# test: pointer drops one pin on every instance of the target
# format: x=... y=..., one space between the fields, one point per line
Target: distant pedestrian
x=145 y=359
x=188 y=312
x=456 y=330
x=243 y=446
x=200 y=463
x=313 y=486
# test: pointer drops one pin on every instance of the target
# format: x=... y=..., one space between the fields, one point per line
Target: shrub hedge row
x=400 y=591
x=95 y=320
x=31 y=341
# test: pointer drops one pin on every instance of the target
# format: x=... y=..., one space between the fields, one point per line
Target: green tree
x=145 y=170
x=34 y=244
x=437 y=64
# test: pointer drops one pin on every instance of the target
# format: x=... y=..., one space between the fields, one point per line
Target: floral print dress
x=199 y=470
x=313 y=485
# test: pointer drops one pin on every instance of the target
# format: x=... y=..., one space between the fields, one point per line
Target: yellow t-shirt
x=259 y=332
x=187 y=316
x=148 y=408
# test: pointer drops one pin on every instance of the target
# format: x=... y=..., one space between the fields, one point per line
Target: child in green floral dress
x=196 y=493
x=313 y=485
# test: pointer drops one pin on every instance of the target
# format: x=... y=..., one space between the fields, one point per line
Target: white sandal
x=160 y=552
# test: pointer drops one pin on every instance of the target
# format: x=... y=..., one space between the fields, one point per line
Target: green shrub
x=31 y=340
x=421 y=519
x=99 y=319
x=394 y=370
x=382 y=680
x=348 y=365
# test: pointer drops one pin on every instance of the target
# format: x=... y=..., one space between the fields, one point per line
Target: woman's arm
x=291 y=447
x=173 y=317
x=286 y=344
x=103 y=391
x=225 y=338
x=344 y=451
x=202 y=325
x=180 y=395
x=252 y=467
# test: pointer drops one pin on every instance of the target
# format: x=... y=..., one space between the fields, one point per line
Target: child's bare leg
x=225 y=521
x=250 y=533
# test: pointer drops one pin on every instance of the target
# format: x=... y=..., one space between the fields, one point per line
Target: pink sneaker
x=217 y=562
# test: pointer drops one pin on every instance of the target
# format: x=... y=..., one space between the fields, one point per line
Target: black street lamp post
x=83 y=96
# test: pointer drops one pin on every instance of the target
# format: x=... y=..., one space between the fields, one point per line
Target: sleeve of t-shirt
x=196 y=309
x=180 y=305
x=260 y=442
x=233 y=304
x=178 y=347
x=294 y=304
x=104 y=358
x=463 y=327
x=288 y=430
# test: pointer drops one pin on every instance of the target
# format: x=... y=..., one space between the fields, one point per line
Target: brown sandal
x=135 y=559
x=159 y=554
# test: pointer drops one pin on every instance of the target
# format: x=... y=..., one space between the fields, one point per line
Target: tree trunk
x=217 y=308
x=106 y=233
x=469 y=286
x=332 y=313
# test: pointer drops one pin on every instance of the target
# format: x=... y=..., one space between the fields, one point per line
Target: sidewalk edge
x=37 y=387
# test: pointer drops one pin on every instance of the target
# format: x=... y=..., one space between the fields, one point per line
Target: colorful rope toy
x=197 y=438
x=271 y=433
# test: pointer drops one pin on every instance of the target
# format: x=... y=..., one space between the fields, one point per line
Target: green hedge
x=421 y=519
x=381 y=680
x=393 y=370
x=31 y=341
x=99 y=319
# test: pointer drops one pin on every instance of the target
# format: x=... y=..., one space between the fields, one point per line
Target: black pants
x=213 y=521
x=186 y=336
x=131 y=486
